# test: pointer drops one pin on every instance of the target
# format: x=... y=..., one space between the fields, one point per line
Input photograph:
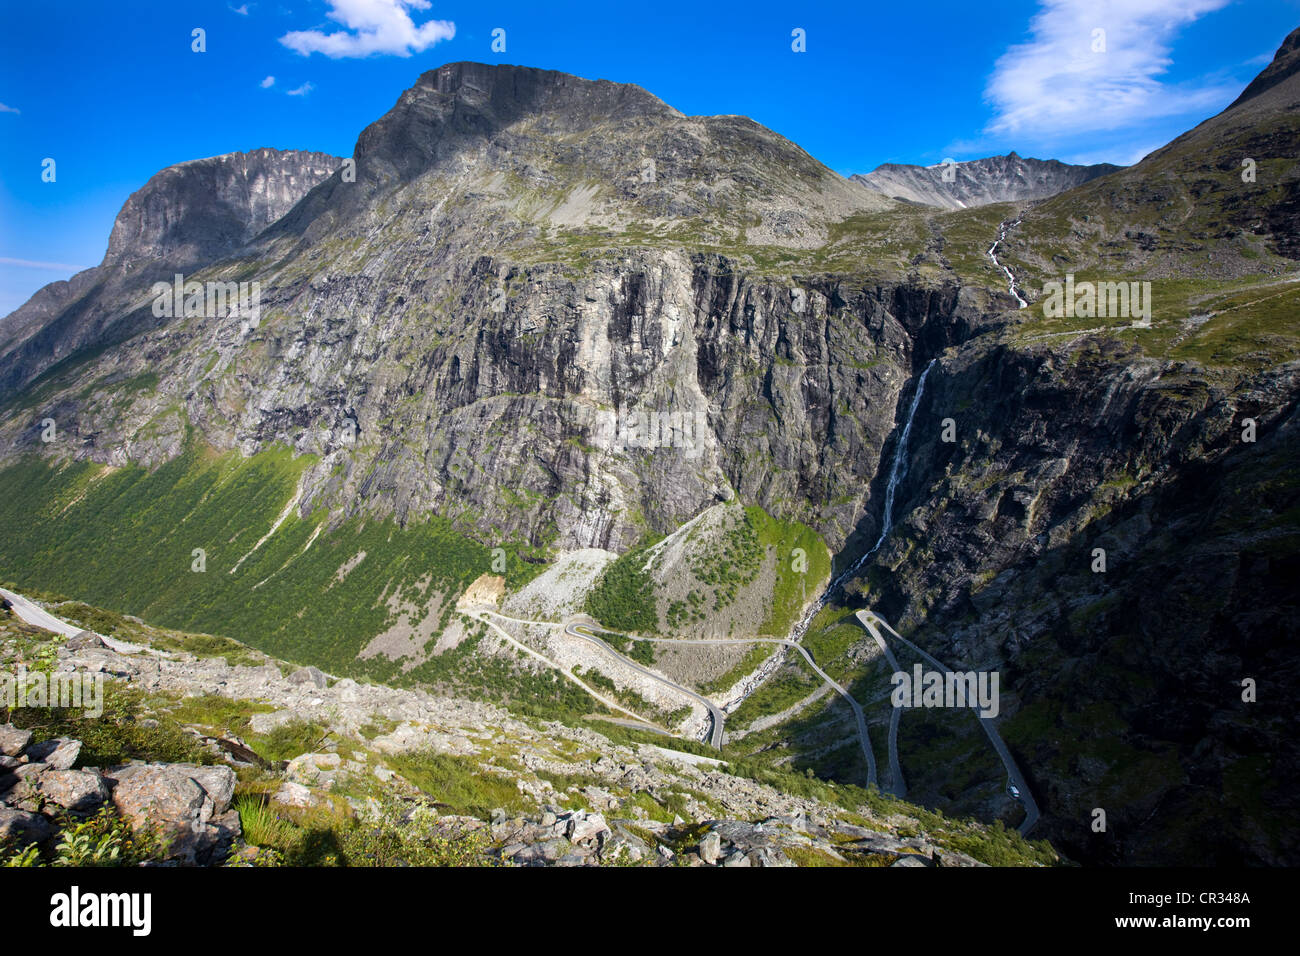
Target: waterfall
x=897 y=472
x=899 y=469
x=992 y=254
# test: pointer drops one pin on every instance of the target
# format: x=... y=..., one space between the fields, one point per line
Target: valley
x=552 y=463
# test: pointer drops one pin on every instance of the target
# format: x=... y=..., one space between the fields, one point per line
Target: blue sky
x=113 y=92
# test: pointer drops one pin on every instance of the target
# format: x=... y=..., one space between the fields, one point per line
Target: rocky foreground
x=569 y=795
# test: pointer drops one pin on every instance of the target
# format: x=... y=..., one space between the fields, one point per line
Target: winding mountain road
x=990 y=729
x=716 y=714
x=35 y=615
x=477 y=615
x=858 y=713
x=574 y=629
x=898 y=784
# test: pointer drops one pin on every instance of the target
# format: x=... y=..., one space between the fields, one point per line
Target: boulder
x=879 y=843
x=84 y=640
x=575 y=857
x=185 y=804
x=945 y=857
x=711 y=847
x=536 y=854
x=81 y=791
x=13 y=741
x=295 y=795
x=21 y=789
x=586 y=826
x=769 y=856
x=741 y=833
x=309 y=675
x=222 y=833
x=218 y=782
x=58 y=754
x=22 y=827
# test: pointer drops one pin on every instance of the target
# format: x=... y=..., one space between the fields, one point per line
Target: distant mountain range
x=979 y=182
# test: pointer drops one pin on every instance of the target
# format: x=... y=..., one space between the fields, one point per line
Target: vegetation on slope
x=126 y=539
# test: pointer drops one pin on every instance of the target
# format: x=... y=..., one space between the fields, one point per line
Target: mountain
x=565 y=351
x=1170 y=449
x=979 y=182
x=464 y=283
x=1285 y=64
x=1217 y=202
x=184 y=217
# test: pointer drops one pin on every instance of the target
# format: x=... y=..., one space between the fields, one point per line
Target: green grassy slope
x=124 y=538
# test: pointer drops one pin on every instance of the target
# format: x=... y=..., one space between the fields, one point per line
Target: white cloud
x=1057 y=84
x=8 y=109
x=372 y=26
x=242 y=9
x=268 y=83
x=52 y=266
x=302 y=90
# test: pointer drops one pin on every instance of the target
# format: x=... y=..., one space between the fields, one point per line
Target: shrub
x=458 y=783
x=393 y=835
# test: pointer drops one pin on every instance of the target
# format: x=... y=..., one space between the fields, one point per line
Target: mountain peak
x=524 y=87
x=202 y=209
x=1286 y=63
x=464 y=102
x=185 y=216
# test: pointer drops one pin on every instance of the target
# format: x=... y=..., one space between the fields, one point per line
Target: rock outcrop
x=185 y=807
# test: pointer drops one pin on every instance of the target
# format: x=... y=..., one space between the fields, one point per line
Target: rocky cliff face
x=471 y=411
x=453 y=331
x=1111 y=525
x=979 y=182
x=1066 y=458
x=184 y=218
x=194 y=213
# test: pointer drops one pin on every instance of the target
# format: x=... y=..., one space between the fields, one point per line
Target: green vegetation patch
x=182 y=546
x=459 y=783
x=624 y=597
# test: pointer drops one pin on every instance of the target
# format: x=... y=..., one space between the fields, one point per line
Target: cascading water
x=993 y=249
x=897 y=471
